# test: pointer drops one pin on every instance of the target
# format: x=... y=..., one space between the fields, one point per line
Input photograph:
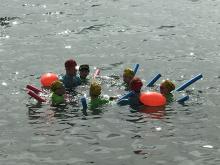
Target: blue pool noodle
x=123 y=102
x=129 y=94
x=153 y=80
x=84 y=104
x=188 y=83
x=136 y=68
x=183 y=99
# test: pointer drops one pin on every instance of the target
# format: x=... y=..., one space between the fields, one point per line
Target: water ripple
x=91 y=28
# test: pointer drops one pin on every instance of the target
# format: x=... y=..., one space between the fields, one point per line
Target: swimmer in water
x=135 y=85
x=96 y=99
x=128 y=75
x=83 y=73
x=58 y=93
x=70 y=79
x=166 y=87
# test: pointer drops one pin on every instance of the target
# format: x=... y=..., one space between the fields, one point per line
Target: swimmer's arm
x=113 y=98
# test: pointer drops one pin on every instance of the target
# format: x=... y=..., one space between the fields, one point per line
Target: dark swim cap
x=84 y=67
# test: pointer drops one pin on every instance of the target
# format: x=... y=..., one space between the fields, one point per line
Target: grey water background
x=177 y=38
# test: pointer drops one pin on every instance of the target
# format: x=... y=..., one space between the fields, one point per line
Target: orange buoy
x=152 y=99
x=47 y=79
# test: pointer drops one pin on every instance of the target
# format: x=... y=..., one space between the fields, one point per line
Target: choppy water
x=177 y=38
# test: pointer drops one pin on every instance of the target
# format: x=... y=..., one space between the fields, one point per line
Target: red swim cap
x=70 y=63
x=136 y=84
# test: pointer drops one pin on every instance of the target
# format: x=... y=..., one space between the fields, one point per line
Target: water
x=176 y=38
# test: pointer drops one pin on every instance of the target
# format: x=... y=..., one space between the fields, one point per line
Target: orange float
x=47 y=79
x=153 y=99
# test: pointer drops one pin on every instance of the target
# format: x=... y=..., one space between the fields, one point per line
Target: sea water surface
x=177 y=38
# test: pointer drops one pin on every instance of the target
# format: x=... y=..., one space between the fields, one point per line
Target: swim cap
x=84 y=67
x=168 y=84
x=136 y=84
x=128 y=72
x=70 y=63
x=95 y=89
x=55 y=85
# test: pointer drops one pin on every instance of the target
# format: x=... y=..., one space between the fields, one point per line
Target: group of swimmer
x=64 y=86
x=70 y=80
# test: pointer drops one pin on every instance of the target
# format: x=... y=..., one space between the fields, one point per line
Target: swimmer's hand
x=113 y=98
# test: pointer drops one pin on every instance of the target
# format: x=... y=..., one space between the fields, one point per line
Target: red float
x=35 y=96
x=47 y=79
x=152 y=99
x=34 y=89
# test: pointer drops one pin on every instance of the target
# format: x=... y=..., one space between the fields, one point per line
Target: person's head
x=135 y=84
x=128 y=75
x=95 y=89
x=166 y=87
x=70 y=66
x=58 y=87
x=84 y=71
